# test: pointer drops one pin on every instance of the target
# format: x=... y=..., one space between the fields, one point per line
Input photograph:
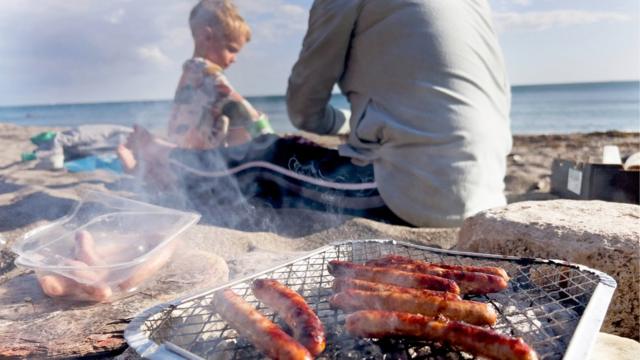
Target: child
x=207 y=111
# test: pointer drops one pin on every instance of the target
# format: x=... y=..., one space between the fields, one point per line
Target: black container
x=588 y=181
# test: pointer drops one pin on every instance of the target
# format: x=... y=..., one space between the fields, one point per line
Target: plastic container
x=105 y=248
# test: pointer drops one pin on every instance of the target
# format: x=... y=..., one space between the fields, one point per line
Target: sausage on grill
x=391 y=276
x=340 y=284
x=472 y=339
x=266 y=336
x=491 y=270
x=469 y=282
x=473 y=312
x=307 y=327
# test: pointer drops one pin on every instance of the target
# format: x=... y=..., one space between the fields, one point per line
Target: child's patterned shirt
x=195 y=122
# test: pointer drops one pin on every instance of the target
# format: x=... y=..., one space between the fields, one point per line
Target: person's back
x=429 y=99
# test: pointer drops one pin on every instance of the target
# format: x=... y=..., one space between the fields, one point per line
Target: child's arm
x=245 y=121
x=230 y=94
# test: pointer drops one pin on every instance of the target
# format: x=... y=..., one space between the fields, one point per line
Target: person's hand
x=220 y=130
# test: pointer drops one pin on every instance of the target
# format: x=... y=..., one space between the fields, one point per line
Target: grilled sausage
x=475 y=340
x=341 y=284
x=469 y=282
x=491 y=270
x=266 y=336
x=469 y=311
x=391 y=276
x=307 y=327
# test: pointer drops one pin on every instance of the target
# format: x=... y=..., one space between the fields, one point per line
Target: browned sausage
x=473 y=312
x=307 y=327
x=469 y=282
x=491 y=270
x=391 y=276
x=475 y=340
x=266 y=336
x=341 y=284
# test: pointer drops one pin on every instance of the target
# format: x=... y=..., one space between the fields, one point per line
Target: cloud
x=115 y=17
x=122 y=45
x=509 y=4
x=272 y=20
x=549 y=19
x=518 y=2
x=153 y=54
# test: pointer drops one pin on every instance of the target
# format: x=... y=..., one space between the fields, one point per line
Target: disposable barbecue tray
x=556 y=307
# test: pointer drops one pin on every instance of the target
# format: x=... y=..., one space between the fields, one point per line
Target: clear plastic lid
x=123 y=233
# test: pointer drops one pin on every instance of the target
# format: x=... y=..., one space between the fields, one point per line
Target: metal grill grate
x=544 y=305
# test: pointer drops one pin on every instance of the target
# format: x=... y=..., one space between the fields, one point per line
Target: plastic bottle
x=47 y=159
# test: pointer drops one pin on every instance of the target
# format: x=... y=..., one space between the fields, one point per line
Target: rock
x=543 y=184
x=33 y=325
x=613 y=347
x=517 y=159
x=633 y=162
x=601 y=235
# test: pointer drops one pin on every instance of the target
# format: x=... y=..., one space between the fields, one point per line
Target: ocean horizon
x=536 y=109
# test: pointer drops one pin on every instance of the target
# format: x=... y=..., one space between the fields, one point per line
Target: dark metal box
x=589 y=181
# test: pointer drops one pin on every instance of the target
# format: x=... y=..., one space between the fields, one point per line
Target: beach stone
x=614 y=347
x=602 y=235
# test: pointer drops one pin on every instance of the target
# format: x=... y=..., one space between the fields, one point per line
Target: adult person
x=429 y=97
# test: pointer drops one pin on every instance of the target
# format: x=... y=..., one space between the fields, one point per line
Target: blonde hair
x=220 y=15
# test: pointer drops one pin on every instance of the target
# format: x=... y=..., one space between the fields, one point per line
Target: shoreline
x=515 y=87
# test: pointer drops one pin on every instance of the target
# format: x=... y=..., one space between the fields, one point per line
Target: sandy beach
x=30 y=197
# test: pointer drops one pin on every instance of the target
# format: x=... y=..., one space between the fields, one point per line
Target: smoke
x=238 y=188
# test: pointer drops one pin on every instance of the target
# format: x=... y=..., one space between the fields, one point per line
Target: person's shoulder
x=202 y=66
x=213 y=69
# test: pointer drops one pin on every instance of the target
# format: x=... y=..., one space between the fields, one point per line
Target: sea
x=536 y=109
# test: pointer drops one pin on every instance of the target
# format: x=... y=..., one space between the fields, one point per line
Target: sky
x=72 y=51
